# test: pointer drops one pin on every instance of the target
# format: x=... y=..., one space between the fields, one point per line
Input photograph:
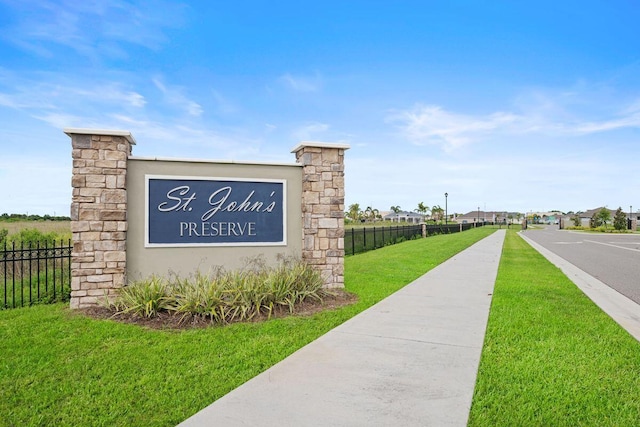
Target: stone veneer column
x=323 y=208
x=98 y=213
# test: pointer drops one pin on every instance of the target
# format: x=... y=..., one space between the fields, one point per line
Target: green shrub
x=620 y=220
x=225 y=296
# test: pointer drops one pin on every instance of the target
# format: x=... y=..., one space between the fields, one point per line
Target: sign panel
x=196 y=211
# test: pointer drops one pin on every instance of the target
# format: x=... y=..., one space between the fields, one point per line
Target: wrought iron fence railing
x=34 y=273
x=357 y=240
x=41 y=273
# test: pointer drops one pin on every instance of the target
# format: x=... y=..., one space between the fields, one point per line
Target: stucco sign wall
x=203 y=211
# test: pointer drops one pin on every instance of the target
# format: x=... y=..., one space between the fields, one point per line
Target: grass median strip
x=551 y=356
x=60 y=368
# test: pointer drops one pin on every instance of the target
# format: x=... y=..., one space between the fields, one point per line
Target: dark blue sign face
x=210 y=211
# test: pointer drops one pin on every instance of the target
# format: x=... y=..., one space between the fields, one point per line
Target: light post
x=446 y=211
x=630 y=218
x=479 y=214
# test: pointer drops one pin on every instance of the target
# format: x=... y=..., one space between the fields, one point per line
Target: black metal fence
x=34 y=273
x=357 y=240
x=41 y=273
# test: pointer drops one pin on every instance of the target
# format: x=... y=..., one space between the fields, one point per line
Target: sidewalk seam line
x=407 y=339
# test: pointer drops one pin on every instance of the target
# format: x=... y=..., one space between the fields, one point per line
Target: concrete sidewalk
x=410 y=360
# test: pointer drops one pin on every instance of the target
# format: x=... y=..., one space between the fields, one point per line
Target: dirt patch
x=165 y=320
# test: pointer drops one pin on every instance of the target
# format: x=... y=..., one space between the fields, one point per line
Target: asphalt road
x=614 y=259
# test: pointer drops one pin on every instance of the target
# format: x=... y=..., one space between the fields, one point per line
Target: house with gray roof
x=404 y=216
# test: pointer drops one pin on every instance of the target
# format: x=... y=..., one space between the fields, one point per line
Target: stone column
x=323 y=208
x=98 y=213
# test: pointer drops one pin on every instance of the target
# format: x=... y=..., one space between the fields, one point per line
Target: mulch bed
x=165 y=320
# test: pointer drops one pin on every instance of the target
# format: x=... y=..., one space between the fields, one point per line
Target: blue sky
x=504 y=105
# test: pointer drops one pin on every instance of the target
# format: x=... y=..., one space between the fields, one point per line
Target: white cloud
x=627 y=118
x=301 y=84
x=433 y=125
x=49 y=91
x=176 y=97
x=224 y=106
x=60 y=101
x=309 y=131
x=92 y=28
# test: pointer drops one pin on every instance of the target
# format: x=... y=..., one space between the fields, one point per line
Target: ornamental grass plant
x=224 y=296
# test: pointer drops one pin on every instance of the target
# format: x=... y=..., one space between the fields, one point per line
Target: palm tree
x=437 y=213
x=376 y=214
x=371 y=213
x=422 y=210
x=395 y=209
x=354 y=212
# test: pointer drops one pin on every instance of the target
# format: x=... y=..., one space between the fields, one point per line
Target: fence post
x=323 y=208
x=374 y=238
x=98 y=213
x=353 y=241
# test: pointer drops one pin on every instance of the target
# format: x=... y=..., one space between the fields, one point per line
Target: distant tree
x=620 y=220
x=595 y=221
x=371 y=214
x=604 y=215
x=395 y=209
x=422 y=209
x=576 y=220
x=437 y=213
x=354 y=212
x=5 y=217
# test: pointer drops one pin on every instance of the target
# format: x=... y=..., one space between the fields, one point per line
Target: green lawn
x=61 y=368
x=551 y=357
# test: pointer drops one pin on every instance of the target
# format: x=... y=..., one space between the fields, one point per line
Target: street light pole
x=446 y=211
x=479 y=214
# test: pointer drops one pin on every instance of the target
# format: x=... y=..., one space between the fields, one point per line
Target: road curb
x=620 y=308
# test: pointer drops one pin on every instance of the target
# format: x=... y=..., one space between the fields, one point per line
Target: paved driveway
x=614 y=259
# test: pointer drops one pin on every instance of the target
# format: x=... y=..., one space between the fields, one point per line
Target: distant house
x=404 y=216
x=489 y=216
x=549 y=218
x=585 y=217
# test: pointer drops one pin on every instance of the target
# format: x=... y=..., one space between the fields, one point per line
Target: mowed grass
x=61 y=368
x=551 y=357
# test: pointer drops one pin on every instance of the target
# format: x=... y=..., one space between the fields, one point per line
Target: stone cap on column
x=317 y=144
x=106 y=132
